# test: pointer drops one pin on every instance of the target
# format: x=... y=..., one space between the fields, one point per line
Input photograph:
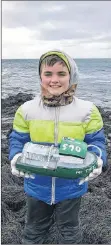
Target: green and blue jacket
x=48 y=125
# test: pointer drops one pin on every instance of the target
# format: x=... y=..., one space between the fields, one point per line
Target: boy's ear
x=75 y=86
x=72 y=89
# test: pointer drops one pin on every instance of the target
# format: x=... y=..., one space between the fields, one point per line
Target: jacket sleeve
x=95 y=134
x=19 y=135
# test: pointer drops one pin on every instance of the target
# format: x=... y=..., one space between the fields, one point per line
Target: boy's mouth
x=55 y=86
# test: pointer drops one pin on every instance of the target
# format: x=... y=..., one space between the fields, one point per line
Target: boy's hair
x=51 y=60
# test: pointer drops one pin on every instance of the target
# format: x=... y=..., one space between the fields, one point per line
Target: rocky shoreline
x=95 y=210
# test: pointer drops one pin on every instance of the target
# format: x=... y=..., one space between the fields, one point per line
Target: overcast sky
x=82 y=29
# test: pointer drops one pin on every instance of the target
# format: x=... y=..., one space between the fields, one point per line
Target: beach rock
x=95 y=212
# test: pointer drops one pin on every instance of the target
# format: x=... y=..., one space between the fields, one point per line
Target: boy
x=53 y=114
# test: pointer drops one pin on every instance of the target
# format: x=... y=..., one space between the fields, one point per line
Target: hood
x=70 y=63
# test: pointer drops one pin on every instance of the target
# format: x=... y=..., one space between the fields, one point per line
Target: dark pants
x=41 y=216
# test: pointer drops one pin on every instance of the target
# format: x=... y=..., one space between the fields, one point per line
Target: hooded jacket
x=48 y=125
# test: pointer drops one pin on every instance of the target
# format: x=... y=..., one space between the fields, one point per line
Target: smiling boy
x=46 y=119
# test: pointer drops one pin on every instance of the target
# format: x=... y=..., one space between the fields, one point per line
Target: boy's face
x=55 y=79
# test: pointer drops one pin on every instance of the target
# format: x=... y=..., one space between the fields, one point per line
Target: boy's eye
x=48 y=74
x=62 y=74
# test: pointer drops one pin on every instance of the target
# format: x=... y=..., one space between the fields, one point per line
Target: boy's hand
x=16 y=171
x=93 y=174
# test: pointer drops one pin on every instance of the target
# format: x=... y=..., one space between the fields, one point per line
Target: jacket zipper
x=55 y=142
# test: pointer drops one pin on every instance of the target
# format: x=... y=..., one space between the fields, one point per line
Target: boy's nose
x=55 y=79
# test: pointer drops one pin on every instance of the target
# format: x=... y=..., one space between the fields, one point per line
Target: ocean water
x=21 y=75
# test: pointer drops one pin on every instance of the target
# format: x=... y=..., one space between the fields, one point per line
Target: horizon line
x=39 y=58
